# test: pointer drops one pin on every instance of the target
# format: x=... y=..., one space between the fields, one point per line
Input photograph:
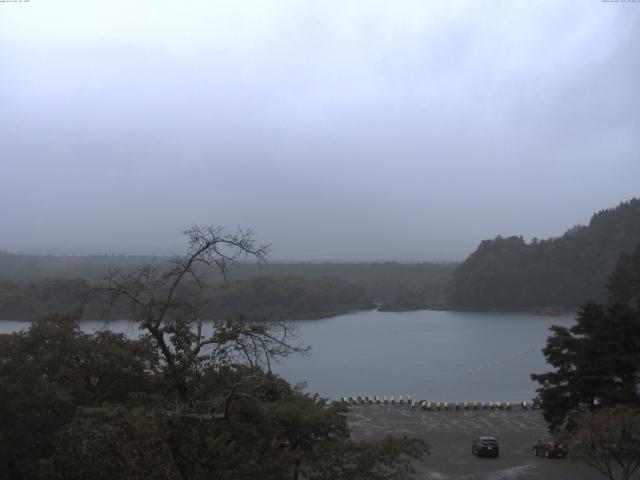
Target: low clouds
x=337 y=130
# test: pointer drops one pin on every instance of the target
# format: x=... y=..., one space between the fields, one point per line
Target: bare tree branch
x=157 y=304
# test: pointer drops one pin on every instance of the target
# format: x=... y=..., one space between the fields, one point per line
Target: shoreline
x=347 y=311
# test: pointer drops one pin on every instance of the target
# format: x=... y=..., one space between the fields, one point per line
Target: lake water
x=433 y=355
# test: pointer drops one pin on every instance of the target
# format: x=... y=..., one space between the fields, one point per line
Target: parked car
x=485 y=447
x=550 y=447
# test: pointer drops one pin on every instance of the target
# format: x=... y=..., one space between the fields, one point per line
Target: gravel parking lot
x=450 y=434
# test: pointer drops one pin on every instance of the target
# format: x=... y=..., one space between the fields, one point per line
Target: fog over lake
x=338 y=130
x=433 y=355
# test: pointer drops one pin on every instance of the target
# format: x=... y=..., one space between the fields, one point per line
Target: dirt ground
x=450 y=434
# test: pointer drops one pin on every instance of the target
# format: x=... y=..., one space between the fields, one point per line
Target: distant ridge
x=566 y=271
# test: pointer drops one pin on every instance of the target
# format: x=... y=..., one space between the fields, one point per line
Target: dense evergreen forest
x=564 y=272
x=31 y=286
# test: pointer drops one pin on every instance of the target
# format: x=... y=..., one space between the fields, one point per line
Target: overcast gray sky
x=344 y=130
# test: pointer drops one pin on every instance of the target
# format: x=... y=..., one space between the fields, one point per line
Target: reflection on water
x=439 y=356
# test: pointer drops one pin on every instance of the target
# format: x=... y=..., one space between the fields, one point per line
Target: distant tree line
x=21 y=267
x=260 y=297
x=565 y=271
x=381 y=280
x=286 y=297
x=31 y=285
x=20 y=300
x=406 y=301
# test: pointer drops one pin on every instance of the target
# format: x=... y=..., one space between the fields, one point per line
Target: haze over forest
x=337 y=130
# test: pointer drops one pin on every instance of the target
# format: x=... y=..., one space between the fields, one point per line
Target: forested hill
x=565 y=271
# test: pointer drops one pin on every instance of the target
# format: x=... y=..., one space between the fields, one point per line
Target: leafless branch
x=157 y=304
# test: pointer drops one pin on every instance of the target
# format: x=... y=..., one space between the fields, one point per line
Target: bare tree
x=157 y=303
x=609 y=441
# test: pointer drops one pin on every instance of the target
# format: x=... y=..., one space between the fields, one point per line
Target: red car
x=550 y=447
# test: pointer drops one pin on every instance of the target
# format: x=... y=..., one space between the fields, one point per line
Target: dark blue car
x=485 y=447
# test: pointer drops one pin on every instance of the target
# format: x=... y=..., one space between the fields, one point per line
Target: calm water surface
x=439 y=356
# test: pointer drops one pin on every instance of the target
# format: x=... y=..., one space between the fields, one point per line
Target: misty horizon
x=160 y=253
x=336 y=131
